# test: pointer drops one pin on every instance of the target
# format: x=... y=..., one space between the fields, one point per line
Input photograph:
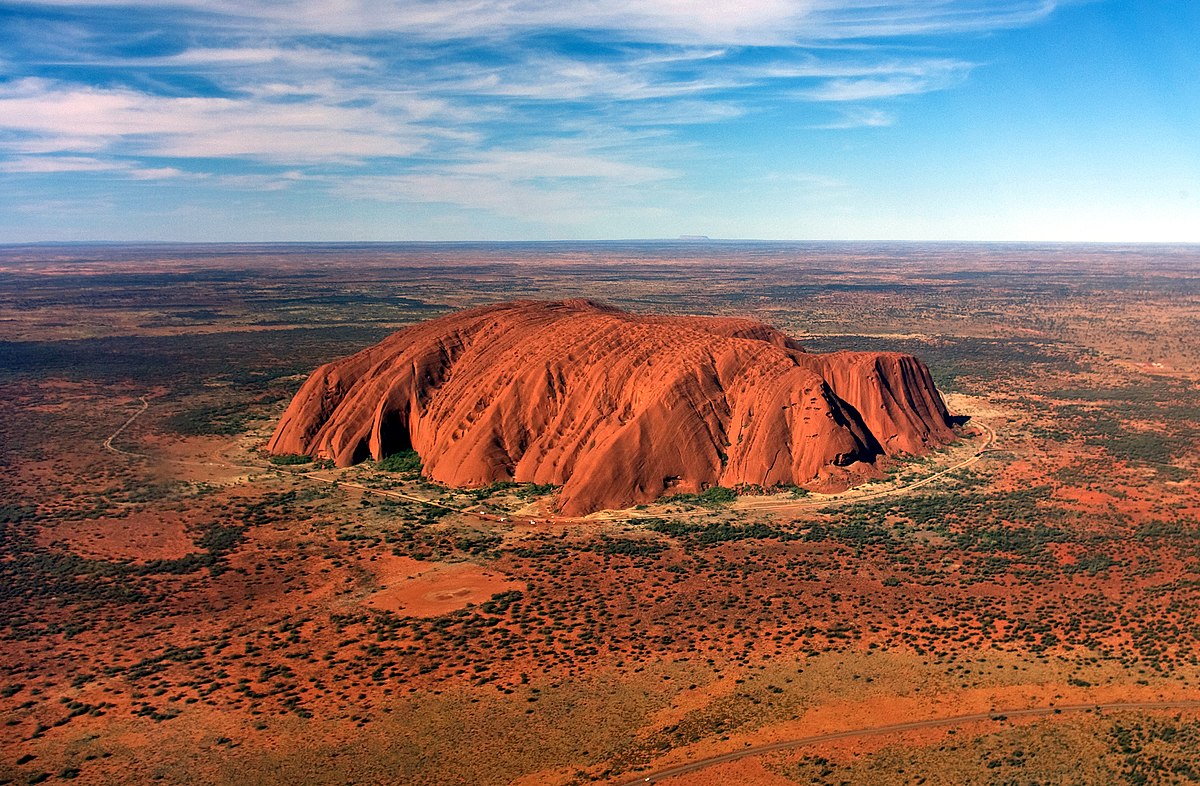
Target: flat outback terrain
x=1020 y=604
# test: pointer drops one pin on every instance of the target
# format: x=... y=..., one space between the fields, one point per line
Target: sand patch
x=141 y=537
x=426 y=589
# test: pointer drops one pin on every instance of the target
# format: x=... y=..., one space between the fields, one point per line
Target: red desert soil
x=140 y=537
x=428 y=589
x=617 y=408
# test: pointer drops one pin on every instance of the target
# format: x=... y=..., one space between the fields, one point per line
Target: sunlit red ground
x=186 y=612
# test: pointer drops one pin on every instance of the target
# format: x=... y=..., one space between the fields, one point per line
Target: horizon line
x=696 y=241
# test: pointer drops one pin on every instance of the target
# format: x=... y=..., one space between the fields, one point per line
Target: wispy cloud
x=871 y=89
x=52 y=164
x=555 y=202
x=222 y=58
x=739 y=22
x=514 y=165
x=43 y=164
x=53 y=117
x=858 y=117
x=497 y=105
x=849 y=19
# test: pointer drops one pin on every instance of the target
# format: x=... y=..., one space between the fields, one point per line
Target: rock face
x=617 y=408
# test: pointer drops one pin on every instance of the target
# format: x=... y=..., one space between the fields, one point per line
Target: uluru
x=616 y=408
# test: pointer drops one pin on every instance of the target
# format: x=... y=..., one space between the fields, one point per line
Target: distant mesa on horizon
x=616 y=408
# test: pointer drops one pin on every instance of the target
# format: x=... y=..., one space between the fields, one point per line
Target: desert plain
x=177 y=605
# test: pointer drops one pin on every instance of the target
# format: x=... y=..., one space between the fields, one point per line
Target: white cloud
x=262 y=182
x=870 y=89
x=223 y=58
x=889 y=78
x=858 y=66
x=540 y=164
x=566 y=79
x=462 y=101
x=565 y=187
x=56 y=117
x=156 y=173
x=735 y=22
x=680 y=113
x=45 y=164
x=40 y=165
x=848 y=19
x=292 y=56
x=557 y=203
x=859 y=117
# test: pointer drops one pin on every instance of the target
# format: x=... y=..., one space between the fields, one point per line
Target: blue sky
x=253 y=120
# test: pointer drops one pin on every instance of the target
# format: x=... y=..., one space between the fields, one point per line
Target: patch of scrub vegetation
x=499 y=487
x=1167 y=411
x=522 y=491
x=958 y=362
x=935 y=510
x=219 y=419
x=1133 y=749
x=713 y=495
x=404 y=462
x=534 y=490
x=33 y=571
x=629 y=547
x=717 y=532
x=290 y=459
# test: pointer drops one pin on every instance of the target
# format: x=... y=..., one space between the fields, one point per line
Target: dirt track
x=617 y=516
x=108 y=443
x=614 y=516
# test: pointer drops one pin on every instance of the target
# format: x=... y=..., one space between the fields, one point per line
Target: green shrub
x=531 y=490
x=404 y=461
x=288 y=459
x=222 y=419
x=713 y=495
x=673 y=527
x=629 y=547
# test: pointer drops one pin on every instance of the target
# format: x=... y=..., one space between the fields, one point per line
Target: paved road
x=896 y=728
